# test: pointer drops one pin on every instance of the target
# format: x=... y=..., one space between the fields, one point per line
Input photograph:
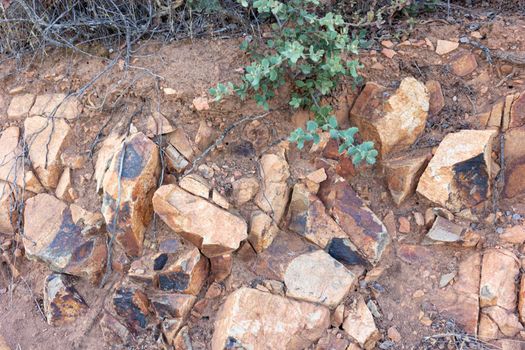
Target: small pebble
x=499 y=230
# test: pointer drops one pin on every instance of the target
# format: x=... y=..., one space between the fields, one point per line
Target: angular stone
x=444 y=46
x=52 y=237
x=132 y=305
x=403 y=173
x=444 y=231
x=507 y=321
x=499 y=271
x=514 y=235
x=461 y=300
x=463 y=63
x=113 y=331
x=308 y=218
x=521 y=300
x=64 y=186
x=215 y=231
x=205 y=136
x=459 y=174
x=317 y=176
x=128 y=188
x=186 y=275
x=84 y=217
x=220 y=200
x=146 y=269
x=496 y=114
x=262 y=230
x=180 y=141
x=396 y=123
x=20 y=106
x=56 y=105
x=360 y=325
x=176 y=162
x=158 y=125
x=436 y=99
x=249 y=315
x=62 y=303
x=196 y=184
x=221 y=267
x=361 y=225
x=514 y=162
x=12 y=167
x=7 y=209
x=273 y=195
x=244 y=190
x=506 y=118
x=110 y=146
x=488 y=329
x=517 y=112
x=318 y=278
x=171 y=305
x=183 y=341
x=46 y=139
x=344 y=251
x=331 y=341
x=413 y=254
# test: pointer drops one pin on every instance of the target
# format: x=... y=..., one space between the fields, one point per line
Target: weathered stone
x=157 y=124
x=176 y=162
x=461 y=300
x=360 y=325
x=180 y=141
x=396 y=123
x=132 y=305
x=521 y=299
x=64 y=186
x=273 y=195
x=220 y=200
x=507 y=321
x=56 y=105
x=317 y=176
x=128 y=188
x=7 y=209
x=436 y=99
x=110 y=146
x=80 y=216
x=514 y=162
x=444 y=231
x=413 y=254
x=338 y=316
x=244 y=190
x=517 y=111
x=446 y=279
x=62 y=303
x=52 y=237
x=183 y=341
x=404 y=225
x=506 y=118
x=344 y=251
x=488 y=329
x=403 y=173
x=514 y=235
x=249 y=315
x=496 y=115
x=204 y=136
x=498 y=274
x=361 y=225
x=262 y=230
x=146 y=269
x=394 y=335
x=46 y=139
x=444 y=46
x=196 y=184
x=459 y=174
x=20 y=106
x=463 y=63
x=221 y=267
x=331 y=341
x=318 y=278
x=215 y=231
x=186 y=275
x=171 y=305
x=113 y=331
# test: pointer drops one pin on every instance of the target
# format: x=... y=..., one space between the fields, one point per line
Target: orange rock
x=514 y=162
x=444 y=46
x=437 y=101
x=56 y=105
x=404 y=225
x=62 y=303
x=221 y=267
x=521 y=300
x=262 y=230
x=488 y=329
x=498 y=274
x=517 y=111
x=463 y=64
x=514 y=235
x=360 y=325
x=507 y=321
x=389 y=53
x=7 y=209
x=186 y=275
x=20 y=106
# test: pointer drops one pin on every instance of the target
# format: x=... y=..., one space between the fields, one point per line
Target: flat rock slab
x=499 y=272
x=57 y=106
x=318 y=278
x=459 y=174
x=444 y=231
x=62 y=303
x=53 y=238
x=248 y=316
x=214 y=230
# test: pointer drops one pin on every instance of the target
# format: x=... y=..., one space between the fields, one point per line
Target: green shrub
x=308 y=50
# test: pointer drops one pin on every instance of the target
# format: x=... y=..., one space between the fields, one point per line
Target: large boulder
x=395 y=121
x=459 y=174
x=51 y=236
x=514 y=162
x=128 y=188
x=214 y=230
x=251 y=319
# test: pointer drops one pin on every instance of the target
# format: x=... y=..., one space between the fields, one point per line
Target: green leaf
x=332 y=121
x=334 y=134
x=295 y=102
x=317 y=138
x=311 y=125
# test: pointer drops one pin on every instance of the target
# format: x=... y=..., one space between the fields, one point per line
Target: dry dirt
x=191 y=68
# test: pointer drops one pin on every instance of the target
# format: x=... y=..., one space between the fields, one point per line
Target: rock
x=172 y=310
x=8 y=214
x=318 y=278
x=62 y=303
x=214 y=230
x=180 y=141
x=220 y=200
x=52 y=237
x=205 y=136
x=249 y=315
x=514 y=162
x=506 y=320
x=221 y=267
x=517 y=111
x=396 y=123
x=488 y=329
x=506 y=118
x=132 y=305
x=403 y=173
x=244 y=190
x=201 y=103
x=113 y=331
x=157 y=124
x=3 y=344
x=436 y=99
x=46 y=139
x=273 y=196
x=183 y=341
x=128 y=188
x=317 y=176
x=262 y=231
x=57 y=106
x=419 y=219
x=361 y=225
x=458 y=176
x=360 y=325
x=446 y=279
x=110 y=146
x=196 y=184
x=444 y=46
x=413 y=254
x=521 y=300
x=514 y=235
x=394 y=335
x=186 y=275
x=344 y=251
x=463 y=64
x=84 y=217
x=20 y=106
x=331 y=341
x=176 y=162
x=404 y=225
x=499 y=271
x=64 y=186
x=146 y=269
x=461 y=300
x=444 y=231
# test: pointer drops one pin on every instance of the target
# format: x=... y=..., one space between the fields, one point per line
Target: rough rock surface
x=7 y=206
x=393 y=124
x=499 y=271
x=132 y=305
x=514 y=162
x=196 y=184
x=249 y=315
x=128 y=188
x=214 y=230
x=262 y=230
x=52 y=237
x=20 y=106
x=56 y=105
x=62 y=303
x=186 y=275
x=244 y=189
x=436 y=99
x=318 y=278
x=459 y=174
x=360 y=324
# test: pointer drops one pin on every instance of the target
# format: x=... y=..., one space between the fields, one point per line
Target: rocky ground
x=145 y=216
